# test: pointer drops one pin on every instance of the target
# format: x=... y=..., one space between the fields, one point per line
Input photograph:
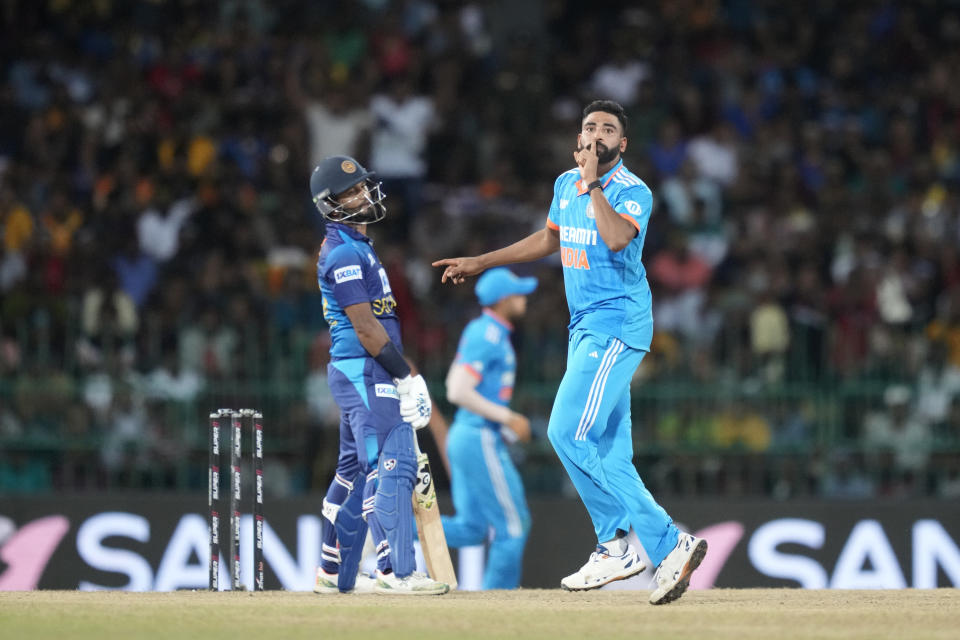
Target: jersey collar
x=604 y=179
x=499 y=319
x=342 y=228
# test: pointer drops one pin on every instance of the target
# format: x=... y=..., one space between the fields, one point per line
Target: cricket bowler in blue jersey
x=598 y=220
x=381 y=400
x=487 y=489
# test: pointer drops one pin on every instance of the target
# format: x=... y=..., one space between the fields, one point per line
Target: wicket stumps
x=213 y=501
x=238 y=420
x=256 y=425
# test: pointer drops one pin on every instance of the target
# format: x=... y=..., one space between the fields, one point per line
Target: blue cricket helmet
x=338 y=174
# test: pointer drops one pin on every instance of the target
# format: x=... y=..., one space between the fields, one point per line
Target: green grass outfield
x=771 y=614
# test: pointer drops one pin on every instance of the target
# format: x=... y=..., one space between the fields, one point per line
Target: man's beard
x=604 y=155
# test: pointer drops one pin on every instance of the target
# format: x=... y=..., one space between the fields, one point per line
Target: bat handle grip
x=416 y=444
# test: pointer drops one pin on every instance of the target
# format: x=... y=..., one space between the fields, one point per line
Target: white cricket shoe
x=325 y=582
x=603 y=568
x=415 y=584
x=673 y=575
x=365 y=583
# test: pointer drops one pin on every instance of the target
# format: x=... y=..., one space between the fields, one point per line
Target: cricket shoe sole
x=691 y=552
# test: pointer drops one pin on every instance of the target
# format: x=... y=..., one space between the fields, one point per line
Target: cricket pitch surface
x=767 y=614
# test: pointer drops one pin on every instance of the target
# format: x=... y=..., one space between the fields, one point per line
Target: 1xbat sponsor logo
x=386 y=391
x=345 y=274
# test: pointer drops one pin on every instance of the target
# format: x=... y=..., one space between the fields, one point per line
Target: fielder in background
x=598 y=220
x=487 y=490
x=381 y=400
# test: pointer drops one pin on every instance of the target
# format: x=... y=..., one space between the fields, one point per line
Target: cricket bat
x=432 y=541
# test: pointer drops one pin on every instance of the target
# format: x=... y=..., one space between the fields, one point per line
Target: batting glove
x=415 y=405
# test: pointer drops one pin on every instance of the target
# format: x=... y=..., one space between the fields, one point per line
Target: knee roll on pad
x=392 y=504
x=330 y=510
x=351 y=534
x=369 y=493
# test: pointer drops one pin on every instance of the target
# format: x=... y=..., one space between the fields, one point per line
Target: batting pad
x=392 y=505
x=351 y=534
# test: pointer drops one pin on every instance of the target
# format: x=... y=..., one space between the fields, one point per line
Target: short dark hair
x=608 y=106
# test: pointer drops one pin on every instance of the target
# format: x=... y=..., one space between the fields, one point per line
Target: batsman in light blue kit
x=487 y=489
x=381 y=400
x=597 y=221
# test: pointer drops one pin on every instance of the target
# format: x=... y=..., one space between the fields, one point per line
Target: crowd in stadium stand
x=159 y=244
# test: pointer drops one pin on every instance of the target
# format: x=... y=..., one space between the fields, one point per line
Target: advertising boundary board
x=149 y=541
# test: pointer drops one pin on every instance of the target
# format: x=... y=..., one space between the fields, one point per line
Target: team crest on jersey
x=348 y=167
x=563 y=203
x=590 y=213
x=390 y=464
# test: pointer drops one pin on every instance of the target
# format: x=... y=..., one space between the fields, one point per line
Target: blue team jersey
x=349 y=272
x=607 y=292
x=486 y=351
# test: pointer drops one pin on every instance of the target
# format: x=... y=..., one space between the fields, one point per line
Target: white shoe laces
x=660 y=572
x=594 y=558
x=416 y=575
x=656 y=577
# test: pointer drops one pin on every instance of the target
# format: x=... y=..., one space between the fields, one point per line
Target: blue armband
x=391 y=360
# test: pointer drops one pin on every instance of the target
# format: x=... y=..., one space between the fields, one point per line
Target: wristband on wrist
x=593 y=185
x=390 y=359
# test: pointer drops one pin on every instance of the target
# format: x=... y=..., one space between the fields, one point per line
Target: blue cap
x=498 y=283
